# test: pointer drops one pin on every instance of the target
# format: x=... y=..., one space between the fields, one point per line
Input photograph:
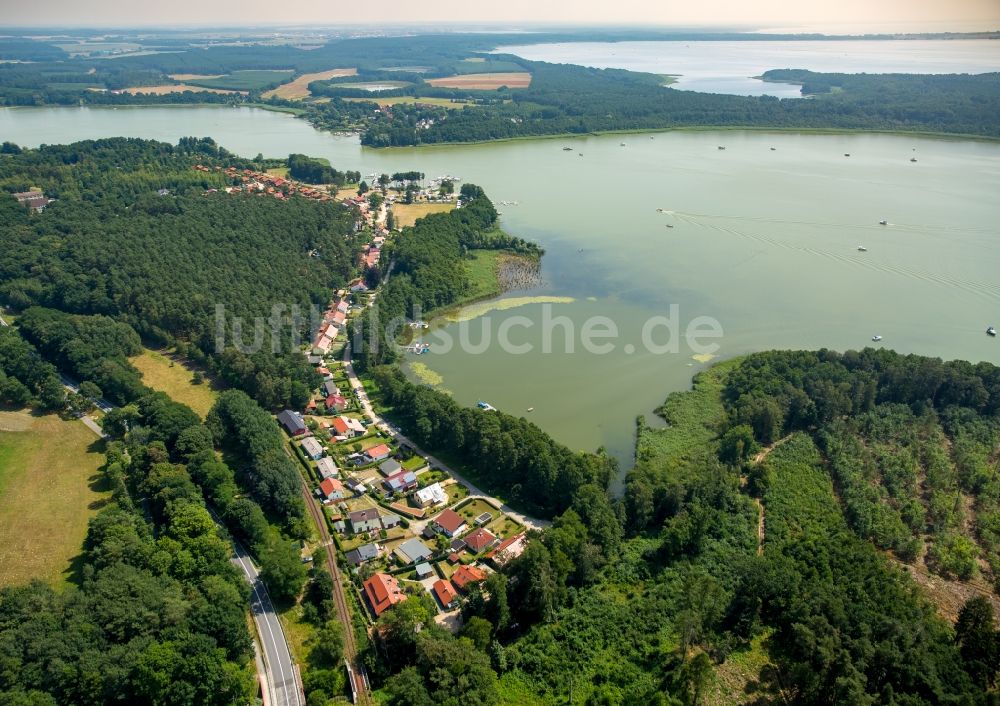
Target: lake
x=765 y=242
x=729 y=67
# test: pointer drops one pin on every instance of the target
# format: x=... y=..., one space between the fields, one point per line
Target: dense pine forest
x=137 y=234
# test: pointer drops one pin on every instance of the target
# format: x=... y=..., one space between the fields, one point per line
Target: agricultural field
x=194 y=77
x=373 y=86
x=175 y=88
x=413 y=100
x=161 y=373
x=408 y=214
x=299 y=88
x=50 y=487
x=484 y=82
x=245 y=80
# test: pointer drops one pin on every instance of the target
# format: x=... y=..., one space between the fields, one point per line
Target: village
x=402 y=524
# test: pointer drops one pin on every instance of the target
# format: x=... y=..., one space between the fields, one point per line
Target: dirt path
x=760 y=526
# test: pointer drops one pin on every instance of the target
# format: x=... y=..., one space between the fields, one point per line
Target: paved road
x=282 y=685
x=279 y=678
x=529 y=522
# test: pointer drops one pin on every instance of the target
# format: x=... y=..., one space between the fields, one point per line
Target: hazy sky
x=831 y=15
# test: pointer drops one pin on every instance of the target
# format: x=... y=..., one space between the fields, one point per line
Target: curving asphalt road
x=280 y=681
x=282 y=685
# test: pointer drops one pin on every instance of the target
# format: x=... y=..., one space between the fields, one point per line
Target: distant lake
x=729 y=67
x=763 y=241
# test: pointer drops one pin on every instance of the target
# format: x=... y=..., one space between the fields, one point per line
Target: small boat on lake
x=876 y=338
x=883 y=222
x=913 y=159
x=531 y=409
x=991 y=331
x=847 y=154
x=721 y=147
x=669 y=225
x=567 y=149
x=862 y=248
x=774 y=149
x=622 y=144
x=486 y=406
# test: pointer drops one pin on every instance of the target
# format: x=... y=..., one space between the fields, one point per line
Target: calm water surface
x=765 y=242
x=729 y=67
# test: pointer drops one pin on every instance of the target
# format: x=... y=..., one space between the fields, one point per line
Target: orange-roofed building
x=383 y=592
x=465 y=576
x=445 y=593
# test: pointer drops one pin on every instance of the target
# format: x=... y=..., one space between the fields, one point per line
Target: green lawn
x=50 y=487
x=161 y=373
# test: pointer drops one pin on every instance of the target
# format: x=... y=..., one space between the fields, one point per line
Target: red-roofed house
x=378 y=452
x=383 y=592
x=510 y=548
x=480 y=539
x=449 y=523
x=445 y=593
x=337 y=402
x=332 y=489
x=465 y=576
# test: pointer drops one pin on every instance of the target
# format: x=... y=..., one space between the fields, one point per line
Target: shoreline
x=950 y=136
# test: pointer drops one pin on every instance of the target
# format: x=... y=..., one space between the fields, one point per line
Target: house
x=390 y=520
x=401 y=482
x=330 y=388
x=383 y=592
x=348 y=427
x=433 y=494
x=424 y=570
x=327 y=467
x=445 y=593
x=480 y=539
x=336 y=402
x=413 y=550
x=366 y=552
x=465 y=576
x=332 y=489
x=342 y=306
x=312 y=448
x=357 y=486
x=389 y=467
x=34 y=200
x=339 y=318
x=378 y=452
x=449 y=523
x=293 y=422
x=508 y=549
x=365 y=520
x=311 y=407
x=457 y=544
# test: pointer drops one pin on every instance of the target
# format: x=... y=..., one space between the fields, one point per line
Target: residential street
x=474 y=492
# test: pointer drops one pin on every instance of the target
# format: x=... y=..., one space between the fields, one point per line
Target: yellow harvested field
x=161 y=373
x=175 y=88
x=50 y=487
x=348 y=192
x=407 y=214
x=484 y=82
x=299 y=88
x=194 y=77
x=396 y=100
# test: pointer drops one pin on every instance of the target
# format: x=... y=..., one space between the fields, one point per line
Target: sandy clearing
x=194 y=77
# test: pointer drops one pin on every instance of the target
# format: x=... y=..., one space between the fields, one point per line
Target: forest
x=428 y=270
x=111 y=245
x=562 y=99
x=157 y=613
x=670 y=596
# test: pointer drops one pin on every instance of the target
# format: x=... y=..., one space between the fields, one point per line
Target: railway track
x=356 y=670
